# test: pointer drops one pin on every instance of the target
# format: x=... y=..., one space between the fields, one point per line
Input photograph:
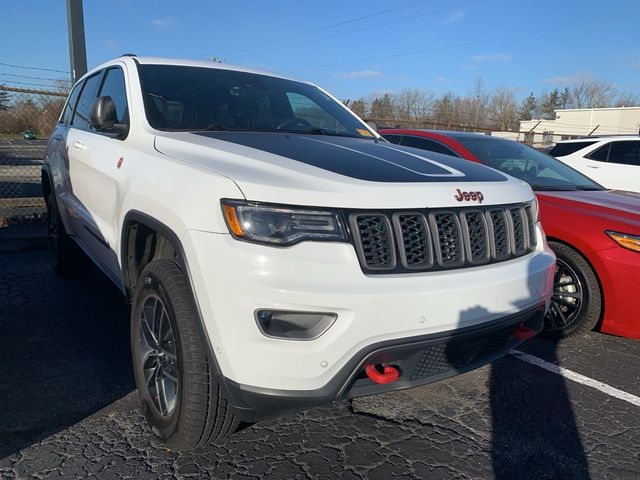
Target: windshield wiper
x=588 y=187
x=216 y=127
x=554 y=188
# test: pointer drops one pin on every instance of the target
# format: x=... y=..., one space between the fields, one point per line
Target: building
x=578 y=122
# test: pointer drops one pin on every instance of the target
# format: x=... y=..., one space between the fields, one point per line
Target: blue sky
x=352 y=48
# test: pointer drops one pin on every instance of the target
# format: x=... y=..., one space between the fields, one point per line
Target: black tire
x=67 y=258
x=198 y=415
x=576 y=304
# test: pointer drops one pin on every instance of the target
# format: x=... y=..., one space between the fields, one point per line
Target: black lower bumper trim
x=421 y=360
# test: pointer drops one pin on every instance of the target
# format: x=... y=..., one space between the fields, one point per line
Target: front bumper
x=232 y=279
x=618 y=270
x=421 y=360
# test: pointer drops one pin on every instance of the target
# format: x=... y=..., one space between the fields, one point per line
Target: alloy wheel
x=568 y=299
x=158 y=356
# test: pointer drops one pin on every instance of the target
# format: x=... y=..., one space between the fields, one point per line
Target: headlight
x=535 y=209
x=631 y=242
x=281 y=225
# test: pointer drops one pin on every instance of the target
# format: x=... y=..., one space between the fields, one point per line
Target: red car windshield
x=538 y=169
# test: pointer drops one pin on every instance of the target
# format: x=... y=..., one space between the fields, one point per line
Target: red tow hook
x=523 y=332
x=389 y=373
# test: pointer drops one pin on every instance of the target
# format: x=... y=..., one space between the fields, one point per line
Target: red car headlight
x=630 y=242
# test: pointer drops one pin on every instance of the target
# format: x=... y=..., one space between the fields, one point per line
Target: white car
x=277 y=252
x=613 y=162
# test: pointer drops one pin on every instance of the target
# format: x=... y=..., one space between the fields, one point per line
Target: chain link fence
x=27 y=118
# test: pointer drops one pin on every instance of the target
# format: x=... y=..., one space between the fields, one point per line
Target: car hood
x=338 y=171
x=615 y=205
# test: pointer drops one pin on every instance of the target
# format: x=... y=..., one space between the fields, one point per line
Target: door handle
x=592 y=166
x=79 y=145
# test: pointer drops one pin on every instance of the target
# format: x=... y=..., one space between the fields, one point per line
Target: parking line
x=576 y=377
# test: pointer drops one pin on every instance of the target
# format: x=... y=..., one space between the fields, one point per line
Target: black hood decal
x=363 y=159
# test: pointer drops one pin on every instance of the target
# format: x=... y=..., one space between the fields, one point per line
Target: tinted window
x=198 y=98
x=600 y=154
x=113 y=86
x=393 y=138
x=562 y=149
x=71 y=103
x=626 y=153
x=88 y=95
x=540 y=170
x=426 y=144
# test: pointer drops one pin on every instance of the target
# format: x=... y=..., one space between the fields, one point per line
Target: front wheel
x=179 y=392
x=576 y=303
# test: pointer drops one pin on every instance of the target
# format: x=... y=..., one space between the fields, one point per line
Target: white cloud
x=441 y=79
x=570 y=79
x=468 y=66
x=455 y=16
x=360 y=74
x=163 y=23
x=111 y=44
x=492 y=57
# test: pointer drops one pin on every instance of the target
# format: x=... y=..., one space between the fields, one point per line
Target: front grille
x=423 y=240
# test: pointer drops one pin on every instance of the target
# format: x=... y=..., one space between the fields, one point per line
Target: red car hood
x=615 y=205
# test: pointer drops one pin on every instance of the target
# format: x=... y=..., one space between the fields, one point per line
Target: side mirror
x=103 y=116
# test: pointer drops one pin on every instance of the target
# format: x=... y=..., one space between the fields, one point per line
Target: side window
x=88 y=95
x=113 y=86
x=426 y=144
x=393 y=138
x=625 y=153
x=306 y=109
x=600 y=154
x=71 y=103
x=562 y=149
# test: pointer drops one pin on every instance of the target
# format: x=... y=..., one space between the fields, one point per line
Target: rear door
x=623 y=169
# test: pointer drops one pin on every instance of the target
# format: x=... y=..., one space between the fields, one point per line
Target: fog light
x=294 y=325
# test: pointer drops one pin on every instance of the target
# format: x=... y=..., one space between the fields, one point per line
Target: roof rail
x=128 y=55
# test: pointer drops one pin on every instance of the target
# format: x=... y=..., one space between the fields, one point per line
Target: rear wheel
x=576 y=303
x=67 y=257
x=178 y=389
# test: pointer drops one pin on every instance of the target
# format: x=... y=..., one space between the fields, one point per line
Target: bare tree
x=627 y=99
x=479 y=101
x=593 y=94
x=504 y=108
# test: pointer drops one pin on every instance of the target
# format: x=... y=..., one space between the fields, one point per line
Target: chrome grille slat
x=434 y=239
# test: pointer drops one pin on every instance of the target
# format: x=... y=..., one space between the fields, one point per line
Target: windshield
x=538 y=169
x=199 y=98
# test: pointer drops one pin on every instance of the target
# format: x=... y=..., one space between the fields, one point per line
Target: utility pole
x=77 y=49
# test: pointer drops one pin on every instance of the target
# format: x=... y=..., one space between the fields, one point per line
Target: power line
x=370 y=27
x=326 y=27
x=34 y=78
x=471 y=43
x=33 y=68
x=11 y=82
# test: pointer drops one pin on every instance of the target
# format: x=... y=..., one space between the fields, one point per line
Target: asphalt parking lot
x=69 y=409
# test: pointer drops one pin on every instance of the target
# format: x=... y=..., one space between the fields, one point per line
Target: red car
x=594 y=232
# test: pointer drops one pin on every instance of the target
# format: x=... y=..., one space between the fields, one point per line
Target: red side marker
x=119 y=162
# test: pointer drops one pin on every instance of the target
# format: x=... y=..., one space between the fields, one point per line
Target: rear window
x=562 y=149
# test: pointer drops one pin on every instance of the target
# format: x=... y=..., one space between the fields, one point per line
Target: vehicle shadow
x=534 y=431
x=64 y=348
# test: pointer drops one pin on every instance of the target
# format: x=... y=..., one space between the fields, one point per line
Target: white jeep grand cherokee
x=278 y=253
